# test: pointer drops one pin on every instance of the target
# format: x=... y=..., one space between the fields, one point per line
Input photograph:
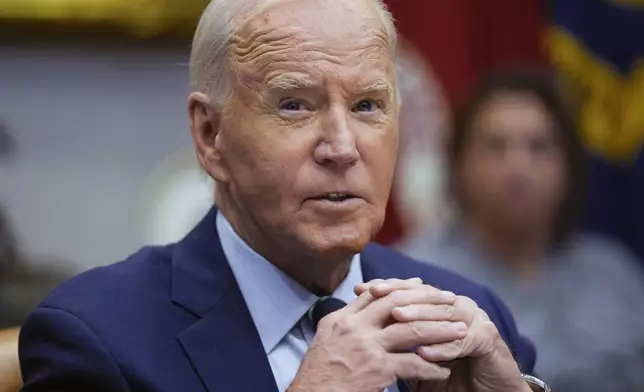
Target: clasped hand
x=370 y=344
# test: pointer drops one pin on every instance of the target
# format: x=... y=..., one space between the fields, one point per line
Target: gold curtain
x=144 y=18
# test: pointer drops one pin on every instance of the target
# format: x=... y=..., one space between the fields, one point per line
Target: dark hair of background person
x=8 y=246
x=543 y=86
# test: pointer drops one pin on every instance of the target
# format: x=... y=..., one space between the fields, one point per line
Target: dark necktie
x=323 y=307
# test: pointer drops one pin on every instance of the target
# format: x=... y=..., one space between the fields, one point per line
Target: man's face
x=308 y=140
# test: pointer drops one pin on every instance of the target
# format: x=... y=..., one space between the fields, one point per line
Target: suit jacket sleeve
x=60 y=352
x=523 y=350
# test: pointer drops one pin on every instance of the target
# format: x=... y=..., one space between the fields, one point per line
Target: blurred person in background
x=518 y=177
x=21 y=286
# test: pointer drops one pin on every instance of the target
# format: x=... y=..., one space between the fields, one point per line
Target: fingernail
x=448 y=295
x=427 y=351
x=460 y=326
x=381 y=287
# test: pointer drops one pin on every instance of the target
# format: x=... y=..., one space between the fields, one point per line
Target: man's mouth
x=335 y=197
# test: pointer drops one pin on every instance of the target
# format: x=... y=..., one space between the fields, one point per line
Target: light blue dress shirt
x=278 y=304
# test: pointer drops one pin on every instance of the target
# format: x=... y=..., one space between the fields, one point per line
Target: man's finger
x=442 y=352
x=364 y=291
x=409 y=366
x=424 y=312
x=380 y=288
x=465 y=310
x=378 y=312
x=405 y=336
x=359 y=303
x=362 y=287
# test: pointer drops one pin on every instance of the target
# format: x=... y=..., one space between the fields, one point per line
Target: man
x=295 y=118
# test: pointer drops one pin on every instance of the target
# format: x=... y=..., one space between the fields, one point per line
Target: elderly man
x=295 y=118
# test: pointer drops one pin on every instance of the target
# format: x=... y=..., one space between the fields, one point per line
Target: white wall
x=90 y=125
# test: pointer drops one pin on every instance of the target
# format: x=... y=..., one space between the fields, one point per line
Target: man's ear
x=205 y=121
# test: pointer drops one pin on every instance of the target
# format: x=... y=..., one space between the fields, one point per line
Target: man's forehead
x=306 y=43
x=346 y=18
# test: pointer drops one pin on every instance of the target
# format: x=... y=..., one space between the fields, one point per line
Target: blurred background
x=96 y=157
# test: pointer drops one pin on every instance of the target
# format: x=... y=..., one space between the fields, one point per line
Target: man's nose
x=337 y=148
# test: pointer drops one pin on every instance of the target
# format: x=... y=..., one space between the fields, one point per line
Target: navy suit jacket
x=172 y=318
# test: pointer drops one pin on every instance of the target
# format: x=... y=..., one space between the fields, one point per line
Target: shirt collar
x=275 y=301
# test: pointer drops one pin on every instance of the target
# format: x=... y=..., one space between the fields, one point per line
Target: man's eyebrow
x=380 y=85
x=289 y=82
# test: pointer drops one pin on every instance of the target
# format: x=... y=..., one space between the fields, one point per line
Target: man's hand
x=360 y=349
x=479 y=361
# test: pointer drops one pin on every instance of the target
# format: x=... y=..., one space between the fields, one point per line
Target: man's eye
x=292 y=105
x=366 y=105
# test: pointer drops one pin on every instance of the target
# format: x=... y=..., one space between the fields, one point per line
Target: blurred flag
x=598 y=48
x=460 y=40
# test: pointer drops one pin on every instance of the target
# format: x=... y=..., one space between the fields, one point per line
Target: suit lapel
x=225 y=349
x=223 y=345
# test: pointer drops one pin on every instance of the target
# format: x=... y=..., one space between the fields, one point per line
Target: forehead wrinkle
x=261 y=47
x=269 y=24
x=275 y=56
x=260 y=42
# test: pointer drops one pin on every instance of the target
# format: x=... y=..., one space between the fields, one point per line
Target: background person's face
x=313 y=112
x=512 y=169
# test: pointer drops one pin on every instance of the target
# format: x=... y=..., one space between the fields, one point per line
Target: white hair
x=209 y=63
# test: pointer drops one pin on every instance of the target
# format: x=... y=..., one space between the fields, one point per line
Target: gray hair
x=209 y=66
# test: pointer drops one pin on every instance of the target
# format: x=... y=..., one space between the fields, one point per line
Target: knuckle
x=459 y=344
x=397 y=298
x=467 y=302
x=430 y=290
x=428 y=294
x=482 y=314
x=412 y=283
x=447 y=310
x=489 y=329
x=340 y=323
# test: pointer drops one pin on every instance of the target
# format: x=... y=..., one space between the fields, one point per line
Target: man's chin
x=337 y=246
x=339 y=238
